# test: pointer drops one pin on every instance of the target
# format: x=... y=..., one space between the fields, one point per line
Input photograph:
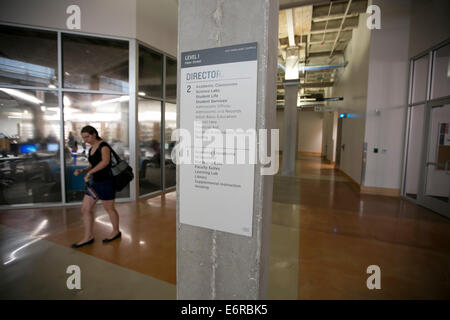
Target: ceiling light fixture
x=66 y=101
x=21 y=95
x=102 y=102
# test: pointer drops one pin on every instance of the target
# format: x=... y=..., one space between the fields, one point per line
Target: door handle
x=444 y=165
x=343 y=147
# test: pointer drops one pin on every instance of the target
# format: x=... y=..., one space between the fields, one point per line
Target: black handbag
x=121 y=171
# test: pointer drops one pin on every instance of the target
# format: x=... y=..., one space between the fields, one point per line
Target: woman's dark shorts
x=104 y=189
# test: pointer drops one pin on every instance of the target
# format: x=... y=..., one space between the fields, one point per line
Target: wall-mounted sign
x=318 y=108
x=73 y=22
x=443 y=156
x=444 y=134
x=217 y=91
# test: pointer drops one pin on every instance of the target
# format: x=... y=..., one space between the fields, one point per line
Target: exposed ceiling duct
x=316 y=68
x=321 y=32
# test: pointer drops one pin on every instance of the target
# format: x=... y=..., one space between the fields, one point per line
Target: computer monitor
x=52 y=147
x=28 y=148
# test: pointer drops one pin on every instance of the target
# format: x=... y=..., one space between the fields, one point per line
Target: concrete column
x=290 y=127
x=213 y=264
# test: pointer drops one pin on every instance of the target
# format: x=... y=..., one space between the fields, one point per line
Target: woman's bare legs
x=88 y=218
x=113 y=216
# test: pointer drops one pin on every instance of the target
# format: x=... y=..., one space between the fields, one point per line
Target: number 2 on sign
x=189 y=89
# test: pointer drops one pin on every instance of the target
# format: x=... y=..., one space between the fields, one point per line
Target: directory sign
x=217 y=100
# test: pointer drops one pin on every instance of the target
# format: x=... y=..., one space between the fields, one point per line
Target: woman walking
x=102 y=187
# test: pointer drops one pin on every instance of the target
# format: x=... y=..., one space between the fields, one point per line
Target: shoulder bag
x=121 y=171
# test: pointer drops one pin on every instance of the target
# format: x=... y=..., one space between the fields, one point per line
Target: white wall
x=8 y=127
x=387 y=95
x=352 y=85
x=309 y=128
x=154 y=22
x=325 y=129
x=330 y=135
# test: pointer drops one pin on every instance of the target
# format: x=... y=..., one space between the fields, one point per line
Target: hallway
x=324 y=236
x=340 y=233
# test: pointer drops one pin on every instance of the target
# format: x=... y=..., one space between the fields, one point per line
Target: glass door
x=434 y=188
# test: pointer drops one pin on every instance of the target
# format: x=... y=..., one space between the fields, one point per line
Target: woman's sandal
x=113 y=238
x=76 y=245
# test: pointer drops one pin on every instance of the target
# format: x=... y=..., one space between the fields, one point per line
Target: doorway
x=338 y=142
x=434 y=185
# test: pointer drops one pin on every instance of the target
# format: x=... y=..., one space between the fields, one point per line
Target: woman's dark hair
x=92 y=131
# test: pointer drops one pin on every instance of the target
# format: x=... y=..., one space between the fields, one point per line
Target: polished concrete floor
x=324 y=236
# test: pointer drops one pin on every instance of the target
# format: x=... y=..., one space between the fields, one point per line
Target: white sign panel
x=318 y=109
x=218 y=92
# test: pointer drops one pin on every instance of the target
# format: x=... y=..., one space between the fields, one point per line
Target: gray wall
x=213 y=264
x=430 y=24
x=107 y=17
x=157 y=24
x=153 y=22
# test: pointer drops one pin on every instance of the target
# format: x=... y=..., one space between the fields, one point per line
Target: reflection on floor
x=340 y=232
x=140 y=265
x=324 y=236
x=34 y=268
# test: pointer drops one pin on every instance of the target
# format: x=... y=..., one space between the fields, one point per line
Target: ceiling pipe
x=326 y=67
x=340 y=28
x=314 y=68
x=290 y=27
x=326 y=24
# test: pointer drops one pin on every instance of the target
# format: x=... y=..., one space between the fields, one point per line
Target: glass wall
x=171 y=79
x=92 y=63
x=29 y=117
x=150 y=73
x=28 y=57
x=152 y=101
x=414 y=154
x=425 y=88
x=420 y=80
x=170 y=121
x=109 y=115
x=441 y=73
x=149 y=137
x=92 y=89
x=29 y=146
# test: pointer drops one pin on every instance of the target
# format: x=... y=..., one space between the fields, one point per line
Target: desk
x=12 y=158
x=72 y=182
